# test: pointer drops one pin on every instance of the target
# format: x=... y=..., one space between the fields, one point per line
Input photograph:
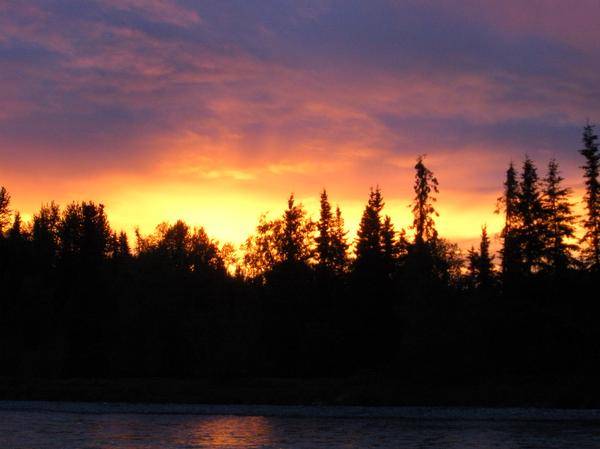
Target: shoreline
x=583 y=394
x=415 y=413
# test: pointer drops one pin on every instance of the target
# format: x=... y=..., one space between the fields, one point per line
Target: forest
x=79 y=300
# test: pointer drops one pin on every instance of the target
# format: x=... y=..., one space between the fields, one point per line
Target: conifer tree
x=332 y=248
x=45 y=236
x=16 y=232
x=123 y=245
x=339 y=243
x=509 y=203
x=532 y=218
x=472 y=264
x=296 y=243
x=481 y=265
x=4 y=209
x=403 y=245
x=368 y=245
x=389 y=244
x=426 y=184
x=560 y=221
x=325 y=238
x=591 y=174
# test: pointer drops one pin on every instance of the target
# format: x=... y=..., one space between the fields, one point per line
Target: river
x=47 y=425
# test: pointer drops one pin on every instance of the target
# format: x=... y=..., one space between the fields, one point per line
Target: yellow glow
x=226 y=194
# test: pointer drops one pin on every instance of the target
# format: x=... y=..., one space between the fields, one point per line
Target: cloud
x=272 y=96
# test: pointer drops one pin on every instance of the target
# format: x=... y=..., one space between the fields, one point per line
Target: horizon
x=401 y=217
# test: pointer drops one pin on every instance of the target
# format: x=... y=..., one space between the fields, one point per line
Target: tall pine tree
x=532 y=218
x=339 y=243
x=296 y=239
x=560 y=221
x=368 y=245
x=332 y=247
x=591 y=174
x=389 y=245
x=509 y=204
x=324 y=239
x=481 y=262
x=426 y=184
x=4 y=210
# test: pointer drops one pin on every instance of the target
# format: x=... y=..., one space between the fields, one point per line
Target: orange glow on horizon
x=229 y=200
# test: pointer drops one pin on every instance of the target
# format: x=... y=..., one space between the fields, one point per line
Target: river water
x=45 y=425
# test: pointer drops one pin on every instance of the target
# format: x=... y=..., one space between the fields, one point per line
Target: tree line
x=303 y=299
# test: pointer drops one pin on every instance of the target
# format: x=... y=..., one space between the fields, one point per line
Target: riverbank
x=350 y=391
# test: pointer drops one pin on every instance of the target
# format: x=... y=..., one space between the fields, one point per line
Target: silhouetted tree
x=429 y=258
x=426 y=184
x=559 y=222
x=4 y=209
x=17 y=240
x=389 y=245
x=297 y=238
x=447 y=260
x=120 y=246
x=123 y=245
x=481 y=262
x=287 y=240
x=261 y=250
x=324 y=239
x=172 y=242
x=45 y=236
x=339 y=243
x=180 y=248
x=368 y=242
x=509 y=204
x=16 y=230
x=532 y=218
x=331 y=251
x=84 y=235
x=591 y=174
x=205 y=254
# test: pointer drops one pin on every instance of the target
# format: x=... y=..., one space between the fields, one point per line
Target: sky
x=215 y=111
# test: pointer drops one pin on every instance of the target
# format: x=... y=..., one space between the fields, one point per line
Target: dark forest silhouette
x=78 y=301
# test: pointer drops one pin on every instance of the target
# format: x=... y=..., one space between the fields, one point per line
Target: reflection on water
x=90 y=426
x=230 y=431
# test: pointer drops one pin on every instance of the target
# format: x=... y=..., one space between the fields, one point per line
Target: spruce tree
x=368 y=245
x=325 y=238
x=509 y=204
x=45 y=236
x=296 y=238
x=389 y=244
x=472 y=265
x=332 y=248
x=591 y=174
x=532 y=218
x=123 y=245
x=481 y=262
x=426 y=184
x=4 y=210
x=339 y=243
x=560 y=221
x=388 y=238
x=16 y=230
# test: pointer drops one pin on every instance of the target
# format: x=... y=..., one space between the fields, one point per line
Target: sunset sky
x=214 y=111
